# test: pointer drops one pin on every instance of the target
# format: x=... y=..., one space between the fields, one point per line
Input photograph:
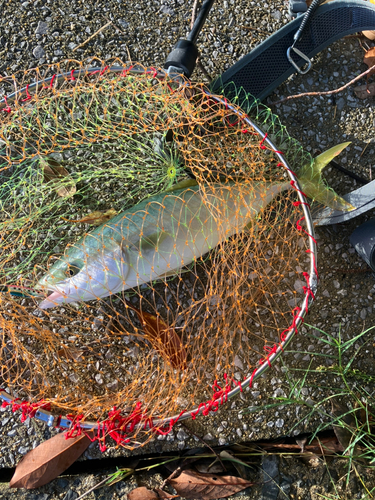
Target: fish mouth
x=44 y=284
x=52 y=300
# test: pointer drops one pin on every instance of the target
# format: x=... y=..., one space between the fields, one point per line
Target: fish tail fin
x=314 y=186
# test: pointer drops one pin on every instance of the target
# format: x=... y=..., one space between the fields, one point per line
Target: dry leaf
x=345 y=432
x=325 y=446
x=70 y=353
x=58 y=176
x=164 y=494
x=369 y=34
x=45 y=462
x=369 y=59
x=96 y=218
x=191 y=484
x=163 y=338
x=142 y=493
x=365 y=91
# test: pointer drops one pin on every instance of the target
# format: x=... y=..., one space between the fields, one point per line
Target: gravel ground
x=33 y=33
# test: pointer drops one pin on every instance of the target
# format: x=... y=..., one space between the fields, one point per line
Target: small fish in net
x=181 y=296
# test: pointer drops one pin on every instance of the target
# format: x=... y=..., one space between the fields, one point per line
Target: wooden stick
x=250 y=28
x=328 y=92
x=92 y=36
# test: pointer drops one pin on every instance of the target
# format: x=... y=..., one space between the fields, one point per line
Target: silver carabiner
x=303 y=56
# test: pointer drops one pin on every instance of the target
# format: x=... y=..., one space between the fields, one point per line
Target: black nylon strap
x=267 y=66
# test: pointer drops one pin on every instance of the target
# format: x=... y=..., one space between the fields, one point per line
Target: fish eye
x=171 y=171
x=73 y=268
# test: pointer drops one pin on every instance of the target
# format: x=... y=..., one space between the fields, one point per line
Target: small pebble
x=23 y=450
x=182 y=435
x=38 y=52
x=42 y=28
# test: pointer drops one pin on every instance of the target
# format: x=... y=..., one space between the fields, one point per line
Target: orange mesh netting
x=167 y=231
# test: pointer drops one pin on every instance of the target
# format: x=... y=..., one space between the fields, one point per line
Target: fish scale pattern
x=87 y=142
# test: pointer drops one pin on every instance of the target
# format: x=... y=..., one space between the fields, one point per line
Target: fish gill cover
x=208 y=231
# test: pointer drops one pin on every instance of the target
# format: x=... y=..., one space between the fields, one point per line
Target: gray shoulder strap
x=267 y=66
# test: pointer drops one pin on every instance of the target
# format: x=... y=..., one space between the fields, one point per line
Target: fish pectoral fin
x=185 y=183
x=152 y=241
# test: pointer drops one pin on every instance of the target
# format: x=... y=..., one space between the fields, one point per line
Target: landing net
x=79 y=147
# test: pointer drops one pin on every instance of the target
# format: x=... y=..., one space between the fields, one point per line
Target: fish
x=157 y=237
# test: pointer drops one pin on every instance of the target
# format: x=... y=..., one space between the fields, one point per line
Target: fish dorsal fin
x=185 y=183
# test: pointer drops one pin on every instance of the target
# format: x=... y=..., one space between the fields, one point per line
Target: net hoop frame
x=312 y=279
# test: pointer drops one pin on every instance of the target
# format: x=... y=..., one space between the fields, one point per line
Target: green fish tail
x=314 y=186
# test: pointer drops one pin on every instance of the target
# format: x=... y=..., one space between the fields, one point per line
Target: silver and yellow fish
x=160 y=235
